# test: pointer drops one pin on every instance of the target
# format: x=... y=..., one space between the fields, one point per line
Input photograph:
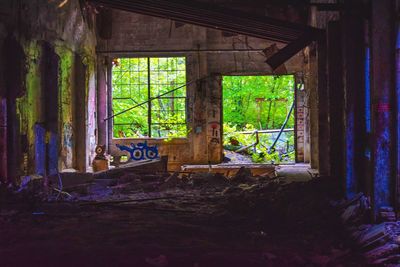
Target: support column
x=383 y=95
x=353 y=68
x=101 y=102
x=336 y=102
x=3 y=140
x=312 y=88
x=323 y=111
x=398 y=116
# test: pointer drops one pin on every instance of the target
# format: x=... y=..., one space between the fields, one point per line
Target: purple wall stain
x=40 y=149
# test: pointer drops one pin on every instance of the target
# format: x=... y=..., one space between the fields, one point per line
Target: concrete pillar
x=382 y=96
x=79 y=118
x=398 y=116
x=353 y=78
x=3 y=140
x=336 y=102
x=199 y=135
x=299 y=123
x=102 y=129
x=323 y=110
x=214 y=119
x=312 y=88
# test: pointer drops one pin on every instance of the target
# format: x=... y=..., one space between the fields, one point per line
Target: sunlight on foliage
x=132 y=86
x=259 y=103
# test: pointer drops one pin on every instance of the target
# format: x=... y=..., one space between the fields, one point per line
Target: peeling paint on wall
x=28 y=106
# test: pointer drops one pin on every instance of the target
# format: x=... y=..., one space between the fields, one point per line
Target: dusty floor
x=202 y=222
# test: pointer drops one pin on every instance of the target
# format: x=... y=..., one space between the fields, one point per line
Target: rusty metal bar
x=267 y=131
x=150 y=99
x=251 y=145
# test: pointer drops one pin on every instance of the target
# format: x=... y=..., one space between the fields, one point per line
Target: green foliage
x=262 y=101
x=130 y=80
x=258 y=103
x=284 y=151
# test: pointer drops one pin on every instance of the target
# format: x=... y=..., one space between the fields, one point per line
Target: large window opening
x=149 y=97
x=258 y=116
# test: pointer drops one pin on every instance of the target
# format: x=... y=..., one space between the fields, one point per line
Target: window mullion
x=148 y=96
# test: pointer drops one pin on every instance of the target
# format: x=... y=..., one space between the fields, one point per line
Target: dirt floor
x=201 y=220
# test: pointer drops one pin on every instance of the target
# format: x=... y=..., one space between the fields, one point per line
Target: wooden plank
x=290 y=50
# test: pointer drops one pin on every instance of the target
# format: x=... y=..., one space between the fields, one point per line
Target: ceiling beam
x=215 y=17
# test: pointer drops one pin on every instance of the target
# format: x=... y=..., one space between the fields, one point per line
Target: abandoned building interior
x=199 y=133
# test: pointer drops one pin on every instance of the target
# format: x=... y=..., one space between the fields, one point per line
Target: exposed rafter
x=215 y=17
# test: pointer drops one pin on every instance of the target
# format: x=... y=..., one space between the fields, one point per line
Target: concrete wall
x=67 y=28
x=139 y=35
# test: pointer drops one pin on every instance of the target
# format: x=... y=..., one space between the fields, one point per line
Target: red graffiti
x=382 y=107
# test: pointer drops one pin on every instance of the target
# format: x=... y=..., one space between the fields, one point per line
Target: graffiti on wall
x=140 y=151
x=67 y=151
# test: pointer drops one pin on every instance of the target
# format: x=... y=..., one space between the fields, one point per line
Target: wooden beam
x=290 y=50
x=214 y=16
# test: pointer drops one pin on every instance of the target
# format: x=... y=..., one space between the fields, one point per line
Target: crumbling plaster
x=66 y=26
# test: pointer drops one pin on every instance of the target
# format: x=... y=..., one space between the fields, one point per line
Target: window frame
x=149 y=115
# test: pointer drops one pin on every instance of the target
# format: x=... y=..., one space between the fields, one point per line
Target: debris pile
x=379 y=243
x=267 y=221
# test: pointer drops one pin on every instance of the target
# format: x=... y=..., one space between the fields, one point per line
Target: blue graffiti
x=140 y=151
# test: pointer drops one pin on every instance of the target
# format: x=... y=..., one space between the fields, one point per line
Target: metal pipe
x=282 y=128
x=267 y=131
x=254 y=144
x=186 y=51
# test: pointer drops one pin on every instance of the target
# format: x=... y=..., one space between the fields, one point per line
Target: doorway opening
x=258 y=118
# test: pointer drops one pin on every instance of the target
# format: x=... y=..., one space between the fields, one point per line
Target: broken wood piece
x=125 y=201
x=390 y=259
x=170 y=182
x=61 y=192
x=373 y=235
x=382 y=251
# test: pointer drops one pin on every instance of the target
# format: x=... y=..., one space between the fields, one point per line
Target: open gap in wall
x=258 y=118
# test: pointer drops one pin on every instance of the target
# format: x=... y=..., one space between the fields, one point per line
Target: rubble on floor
x=177 y=219
x=379 y=243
